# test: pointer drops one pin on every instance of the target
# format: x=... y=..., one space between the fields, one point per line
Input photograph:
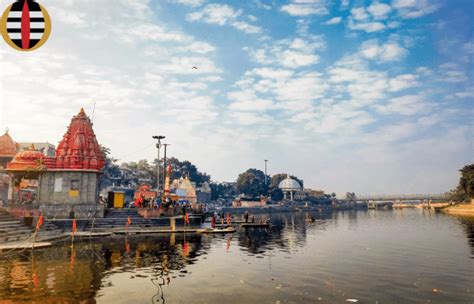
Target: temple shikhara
x=68 y=180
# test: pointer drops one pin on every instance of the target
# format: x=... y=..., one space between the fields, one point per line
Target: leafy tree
x=252 y=183
x=111 y=171
x=186 y=168
x=222 y=190
x=465 y=188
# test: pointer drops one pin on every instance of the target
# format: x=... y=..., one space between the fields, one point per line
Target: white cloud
x=295 y=53
x=405 y=105
x=306 y=7
x=359 y=14
x=415 y=8
x=379 y=10
x=402 y=82
x=334 y=20
x=223 y=14
x=192 y=3
x=387 y=52
x=369 y=27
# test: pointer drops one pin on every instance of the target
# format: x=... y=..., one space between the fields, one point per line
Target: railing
x=383 y=197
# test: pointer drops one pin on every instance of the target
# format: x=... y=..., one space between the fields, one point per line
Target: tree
x=222 y=190
x=465 y=188
x=111 y=171
x=252 y=183
x=186 y=168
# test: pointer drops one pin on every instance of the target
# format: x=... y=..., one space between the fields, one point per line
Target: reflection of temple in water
x=65 y=275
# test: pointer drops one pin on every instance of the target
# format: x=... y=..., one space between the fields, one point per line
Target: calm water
x=405 y=256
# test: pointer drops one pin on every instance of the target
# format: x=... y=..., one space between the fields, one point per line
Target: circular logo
x=25 y=25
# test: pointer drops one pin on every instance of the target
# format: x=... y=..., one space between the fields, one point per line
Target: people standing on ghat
x=246 y=216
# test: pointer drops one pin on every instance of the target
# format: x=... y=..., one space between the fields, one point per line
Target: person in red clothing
x=213 y=221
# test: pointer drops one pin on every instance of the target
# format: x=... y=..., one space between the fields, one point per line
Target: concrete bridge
x=403 y=197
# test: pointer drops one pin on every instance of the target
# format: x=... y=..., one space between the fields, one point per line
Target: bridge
x=404 y=197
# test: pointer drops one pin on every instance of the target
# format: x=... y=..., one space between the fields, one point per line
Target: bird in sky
x=195 y=68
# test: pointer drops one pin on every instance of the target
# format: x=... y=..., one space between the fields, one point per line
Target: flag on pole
x=39 y=223
x=186 y=218
x=74 y=226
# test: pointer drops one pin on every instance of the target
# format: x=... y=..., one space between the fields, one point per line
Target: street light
x=158 y=146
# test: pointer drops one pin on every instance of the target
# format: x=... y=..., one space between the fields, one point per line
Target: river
x=399 y=256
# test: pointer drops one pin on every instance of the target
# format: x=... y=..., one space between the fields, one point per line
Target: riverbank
x=461 y=209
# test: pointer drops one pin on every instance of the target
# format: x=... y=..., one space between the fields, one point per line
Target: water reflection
x=468 y=224
x=311 y=252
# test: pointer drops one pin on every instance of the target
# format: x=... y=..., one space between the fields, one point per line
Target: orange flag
x=186 y=218
x=74 y=226
x=39 y=223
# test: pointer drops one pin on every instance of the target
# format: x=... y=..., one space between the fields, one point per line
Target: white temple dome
x=289 y=184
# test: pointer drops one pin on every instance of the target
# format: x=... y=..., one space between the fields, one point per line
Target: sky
x=363 y=96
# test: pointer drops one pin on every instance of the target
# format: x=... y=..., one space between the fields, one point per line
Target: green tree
x=465 y=188
x=252 y=183
x=186 y=168
x=111 y=171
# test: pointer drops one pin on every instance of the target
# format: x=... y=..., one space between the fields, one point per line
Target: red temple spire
x=79 y=149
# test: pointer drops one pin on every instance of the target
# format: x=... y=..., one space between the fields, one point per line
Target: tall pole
x=266 y=160
x=158 y=146
x=165 y=170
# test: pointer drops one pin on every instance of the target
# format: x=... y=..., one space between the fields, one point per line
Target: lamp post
x=158 y=146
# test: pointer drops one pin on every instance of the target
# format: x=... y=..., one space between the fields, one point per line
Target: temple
x=69 y=180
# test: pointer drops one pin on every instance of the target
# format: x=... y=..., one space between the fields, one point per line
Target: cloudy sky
x=363 y=96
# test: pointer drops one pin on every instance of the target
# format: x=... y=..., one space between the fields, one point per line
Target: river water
x=399 y=256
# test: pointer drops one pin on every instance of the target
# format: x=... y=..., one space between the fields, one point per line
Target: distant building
x=204 y=193
x=49 y=150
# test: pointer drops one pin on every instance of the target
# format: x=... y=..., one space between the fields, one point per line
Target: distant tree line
x=136 y=173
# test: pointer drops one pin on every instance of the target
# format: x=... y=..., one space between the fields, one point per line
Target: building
x=204 y=193
x=68 y=181
x=185 y=190
x=49 y=150
x=8 y=149
x=289 y=186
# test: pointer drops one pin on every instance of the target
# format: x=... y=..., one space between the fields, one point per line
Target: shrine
x=68 y=181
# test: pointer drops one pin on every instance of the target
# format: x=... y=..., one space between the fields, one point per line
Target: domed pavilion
x=289 y=185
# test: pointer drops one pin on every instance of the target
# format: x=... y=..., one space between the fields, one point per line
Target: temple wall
x=69 y=187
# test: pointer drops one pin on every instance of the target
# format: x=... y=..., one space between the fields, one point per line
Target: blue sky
x=363 y=96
